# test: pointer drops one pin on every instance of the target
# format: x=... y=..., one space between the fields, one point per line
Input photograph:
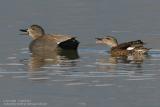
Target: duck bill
x=99 y=41
x=24 y=32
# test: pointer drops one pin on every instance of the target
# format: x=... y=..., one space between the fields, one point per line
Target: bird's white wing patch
x=130 y=48
x=58 y=43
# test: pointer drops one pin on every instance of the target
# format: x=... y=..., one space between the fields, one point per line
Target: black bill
x=23 y=30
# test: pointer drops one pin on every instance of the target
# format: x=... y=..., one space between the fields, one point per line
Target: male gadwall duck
x=44 y=41
x=124 y=49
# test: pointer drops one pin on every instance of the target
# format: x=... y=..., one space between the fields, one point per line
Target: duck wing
x=130 y=45
x=136 y=47
x=58 y=38
x=130 y=48
x=65 y=41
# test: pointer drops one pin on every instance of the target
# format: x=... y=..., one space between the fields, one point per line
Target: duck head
x=109 y=40
x=34 y=31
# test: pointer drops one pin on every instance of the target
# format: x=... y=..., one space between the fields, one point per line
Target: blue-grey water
x=92 y=78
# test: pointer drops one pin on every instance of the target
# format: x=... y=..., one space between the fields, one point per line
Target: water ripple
x=93 y=64
x=141 y=79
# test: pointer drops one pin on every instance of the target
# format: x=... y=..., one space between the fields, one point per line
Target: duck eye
x=33 y=28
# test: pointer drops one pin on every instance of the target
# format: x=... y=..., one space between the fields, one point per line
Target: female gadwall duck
x=44 y=41
x=123 y=49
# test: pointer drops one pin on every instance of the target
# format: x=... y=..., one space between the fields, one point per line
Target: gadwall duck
x=44 y=41
x=124 y=49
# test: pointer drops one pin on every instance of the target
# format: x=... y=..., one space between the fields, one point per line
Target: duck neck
x=36 y=36
x=114 y=45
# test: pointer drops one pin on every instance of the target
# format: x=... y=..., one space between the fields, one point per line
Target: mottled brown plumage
x=123 y=49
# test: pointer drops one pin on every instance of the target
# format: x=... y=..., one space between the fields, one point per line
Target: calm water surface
x=89 y=77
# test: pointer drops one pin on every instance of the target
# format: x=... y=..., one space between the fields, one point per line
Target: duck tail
x=69 y=44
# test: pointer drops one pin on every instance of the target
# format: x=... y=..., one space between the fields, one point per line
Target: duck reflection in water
x=110 y=63
x=57 y=57
x=50 y=48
